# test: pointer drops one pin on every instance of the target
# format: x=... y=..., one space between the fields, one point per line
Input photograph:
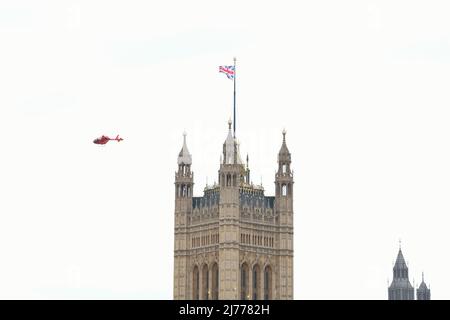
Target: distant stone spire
x=184 y=157
x=400 y=288
x=284 y=151
x=423 y=292
x=231 y=148
x=400 y=263
x=247 y=172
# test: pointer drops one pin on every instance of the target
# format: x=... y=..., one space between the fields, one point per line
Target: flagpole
x=234 y=99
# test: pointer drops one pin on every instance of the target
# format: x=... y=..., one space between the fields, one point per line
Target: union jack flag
x=228 y=70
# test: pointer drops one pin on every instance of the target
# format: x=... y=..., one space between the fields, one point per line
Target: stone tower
x=284 y=183
x=231 y=173
x=233 y=242
x=184 y=183
x=423 y=292
x=400 y=288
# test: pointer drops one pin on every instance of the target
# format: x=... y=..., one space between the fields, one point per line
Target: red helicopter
x=105 y=139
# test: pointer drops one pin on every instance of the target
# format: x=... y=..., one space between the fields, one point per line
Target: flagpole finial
x=234 y=59
x=229 y=124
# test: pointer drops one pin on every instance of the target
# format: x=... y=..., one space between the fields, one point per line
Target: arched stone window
x=256 y=279
x=205 y=282
x=267 y=283
x=195 y=284
x=244 y=282
x=228 y=180
x=284 y=190
x=215 y=282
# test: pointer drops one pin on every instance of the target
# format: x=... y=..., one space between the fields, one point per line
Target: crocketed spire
x=284 y=155
x=423 y=292
x=400 y=263
x=231 y=153
x=184 y=157
x=400 y=288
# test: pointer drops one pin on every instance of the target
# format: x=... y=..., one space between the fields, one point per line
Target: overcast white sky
x=362 y=88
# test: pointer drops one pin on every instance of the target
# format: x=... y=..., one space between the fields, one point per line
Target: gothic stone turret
x=400 y=288
x=184 y=184
x=423 y=292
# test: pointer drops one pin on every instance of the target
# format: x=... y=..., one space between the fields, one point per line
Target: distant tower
x=400 y=288
x=284 y=206
x=231 y=174
x=423 y=293
x=184 y=183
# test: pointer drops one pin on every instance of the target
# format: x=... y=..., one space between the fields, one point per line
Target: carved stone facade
x=233 y=242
